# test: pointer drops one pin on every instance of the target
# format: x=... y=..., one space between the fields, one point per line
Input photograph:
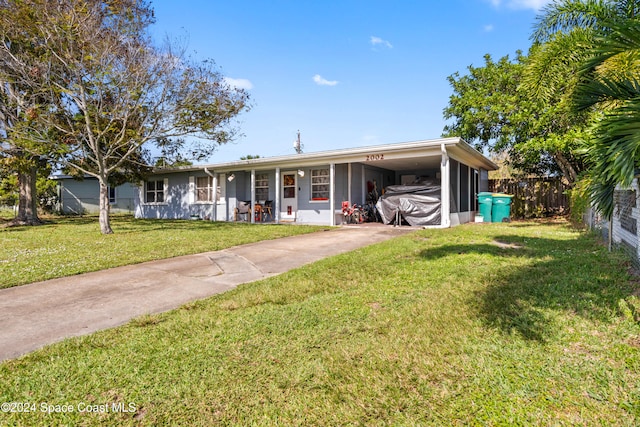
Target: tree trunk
x=568 y=171
x=105 y=221
x=27 y=200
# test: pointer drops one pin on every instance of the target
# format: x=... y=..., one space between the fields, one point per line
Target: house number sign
x=374 y=157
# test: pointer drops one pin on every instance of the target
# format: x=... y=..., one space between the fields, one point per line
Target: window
x=154 y=192
x=112 y=195
x=204 y=184
x=262 y=187
x=289 y=185
x=320 y=184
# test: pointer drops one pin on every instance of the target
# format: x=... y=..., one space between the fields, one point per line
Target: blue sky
x=346 y=73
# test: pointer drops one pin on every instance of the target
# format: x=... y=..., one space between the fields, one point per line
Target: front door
x=289 y=201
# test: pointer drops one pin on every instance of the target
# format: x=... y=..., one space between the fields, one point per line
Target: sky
x=344 y=73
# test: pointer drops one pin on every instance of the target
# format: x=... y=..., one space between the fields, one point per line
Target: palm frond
x=613 y=71
x=565 y=15
x=628 y=8
x=552 y=65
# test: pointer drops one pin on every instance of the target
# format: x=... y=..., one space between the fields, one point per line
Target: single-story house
x=79 y=197
x=310 y=188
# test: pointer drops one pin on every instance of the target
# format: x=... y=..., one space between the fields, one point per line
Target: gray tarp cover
x=417 y=204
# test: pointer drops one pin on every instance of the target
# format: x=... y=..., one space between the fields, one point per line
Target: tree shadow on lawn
x=576 y=276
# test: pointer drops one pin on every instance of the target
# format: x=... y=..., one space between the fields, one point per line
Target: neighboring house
x=78 y=197
x=310 y=187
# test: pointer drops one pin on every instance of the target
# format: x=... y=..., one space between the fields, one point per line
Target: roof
x=398 y=156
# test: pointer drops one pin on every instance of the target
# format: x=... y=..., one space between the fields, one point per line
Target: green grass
x=494 y=324
x=74 y=245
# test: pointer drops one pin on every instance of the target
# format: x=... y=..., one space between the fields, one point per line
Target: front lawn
x=74 y=245
x=493 y=324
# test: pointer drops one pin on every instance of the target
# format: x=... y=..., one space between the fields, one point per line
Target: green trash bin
x=485 y=201
x=501 y=208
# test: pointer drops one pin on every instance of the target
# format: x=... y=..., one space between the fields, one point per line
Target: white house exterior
x=310 y=187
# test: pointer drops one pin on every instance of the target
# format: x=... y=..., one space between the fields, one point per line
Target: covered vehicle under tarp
x=418 y=205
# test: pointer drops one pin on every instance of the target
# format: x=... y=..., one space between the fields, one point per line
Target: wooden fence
x=534 y=197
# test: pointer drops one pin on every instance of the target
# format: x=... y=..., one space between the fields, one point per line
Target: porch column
x=445 y=189
x=214 y=193
x=349 y=198
x=276 y=202
x=253 y=196
x=214 y=198
x=332 y=192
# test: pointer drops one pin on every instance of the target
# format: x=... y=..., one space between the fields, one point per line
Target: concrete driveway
x=34 y=315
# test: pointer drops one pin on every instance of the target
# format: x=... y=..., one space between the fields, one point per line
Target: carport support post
x=276 y=202
x=253 y=196
x=445 y=197
x=332 y=192
x=214 y=196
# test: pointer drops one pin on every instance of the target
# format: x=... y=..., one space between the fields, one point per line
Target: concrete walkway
x=34 y=315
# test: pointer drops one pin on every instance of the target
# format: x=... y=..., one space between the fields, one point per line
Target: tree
x=25 y=168
x=106 y=93
x=493 y=110
x=564 y=38
x=615 y=89
x=13 y=158
x=570 y=34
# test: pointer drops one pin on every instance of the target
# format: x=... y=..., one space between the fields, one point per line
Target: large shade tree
x=106 y=94
x=491 y=108
x=15 y=161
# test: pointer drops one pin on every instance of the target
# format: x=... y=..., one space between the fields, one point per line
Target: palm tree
x=569 y=34
x=611 y=80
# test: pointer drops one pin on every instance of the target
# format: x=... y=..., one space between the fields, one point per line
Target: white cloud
x=377 y=41
x=488 y=28
x=239 y=83
x=522 y=4
x=321 y=81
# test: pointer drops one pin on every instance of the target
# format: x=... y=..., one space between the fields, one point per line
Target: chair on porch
x=242 y=208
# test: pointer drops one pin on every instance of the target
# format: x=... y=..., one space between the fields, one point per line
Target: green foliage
x=8 y=190
x=493 y=108
x=593 y=40
x=564 y=16
x=579 y=200
x=615 y=151
x=47 y=193
x=105 y=93
x=484 y=102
